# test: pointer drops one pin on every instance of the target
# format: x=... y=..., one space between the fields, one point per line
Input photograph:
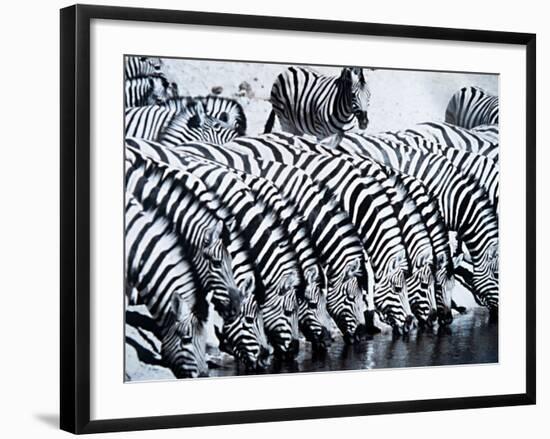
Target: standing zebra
x=464 y=204
x=470 y=107
x=332 y=235
x=158 y=269
x=306 y=102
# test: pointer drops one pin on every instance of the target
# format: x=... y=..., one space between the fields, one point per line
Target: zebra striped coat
x=332 y=235
x=278 y=271
x=464 y=204
x=470 y=107
x=156 y=266
x=306 y=102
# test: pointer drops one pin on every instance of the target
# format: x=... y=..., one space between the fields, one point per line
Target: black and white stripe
x=465 y=205
x=156 y=266
x=278 y=272
x=331 y=233
x=470 y=107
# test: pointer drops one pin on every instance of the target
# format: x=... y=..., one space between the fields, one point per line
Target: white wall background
x=29 y=249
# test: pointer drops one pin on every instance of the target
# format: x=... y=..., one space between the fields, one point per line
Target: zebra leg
x=270 y=122
x=370 y=327
x=460 y=309
x=332 y=141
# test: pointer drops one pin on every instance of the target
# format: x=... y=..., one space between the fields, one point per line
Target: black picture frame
x=75 y=217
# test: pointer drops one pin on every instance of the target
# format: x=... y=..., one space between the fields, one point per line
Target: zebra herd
x=282 y=234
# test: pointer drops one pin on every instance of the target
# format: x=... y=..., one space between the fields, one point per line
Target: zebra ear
x=353 y=268
x=291 y=280
x=345 y=75
x=213 y=234
x=311 y=274
x=247 y=287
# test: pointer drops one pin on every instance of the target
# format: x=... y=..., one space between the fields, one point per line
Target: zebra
x=243 y=266
x=311 y=303
x=370 y=212
x=332 y=235
x=158 y=269
x=277 y=268
x=306 y=102
x=457 y=137
x=203 y=234
x=141 y=66
x=415 y=236
x=470 y=107
x=245 y=336
x=481 y=168
x=193 y=123
x=464 y=204
x=148 y=90
x=227 y=112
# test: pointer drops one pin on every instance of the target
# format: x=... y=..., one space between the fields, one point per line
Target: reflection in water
x=469 y=340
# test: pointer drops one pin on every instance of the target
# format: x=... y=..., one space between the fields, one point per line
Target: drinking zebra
x=470 y=107
x=306 y=102
x=194 y=218
x=244 y=337
x=369 y=211
x=332 y=235
x=278 y=273
x=156 y=266
x=415 y=235
x=464 y=204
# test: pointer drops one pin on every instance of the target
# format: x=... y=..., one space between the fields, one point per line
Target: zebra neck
x=342 y=104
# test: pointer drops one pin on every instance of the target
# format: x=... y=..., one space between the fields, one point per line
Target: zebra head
x=485 y=277
x=244 y=337
x=311 y=310
x=199 y=126
x=226 y=297
x=443 y=286
x=280 y=313
x=158 y=90
x=422 y=298
x=345 y=304
x=390 y=297
x=183 y=344
x=360 y=94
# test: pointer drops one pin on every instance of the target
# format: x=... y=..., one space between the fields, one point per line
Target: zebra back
x=332 y=235
x=470 y=107
x=157 y=267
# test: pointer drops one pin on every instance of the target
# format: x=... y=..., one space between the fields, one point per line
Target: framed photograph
x=268 y=219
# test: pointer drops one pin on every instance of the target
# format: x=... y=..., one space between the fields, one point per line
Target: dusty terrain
x=399 y=99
